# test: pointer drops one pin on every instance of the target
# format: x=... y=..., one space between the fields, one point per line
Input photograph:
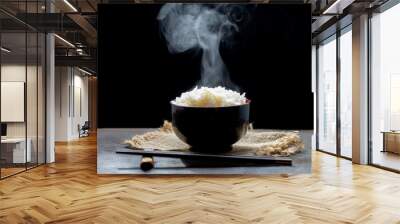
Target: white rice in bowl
x=210 y=97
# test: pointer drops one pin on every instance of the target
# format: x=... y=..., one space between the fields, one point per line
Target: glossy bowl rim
x=183 y=106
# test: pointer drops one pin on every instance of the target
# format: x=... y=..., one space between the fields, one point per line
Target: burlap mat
x=255 y=142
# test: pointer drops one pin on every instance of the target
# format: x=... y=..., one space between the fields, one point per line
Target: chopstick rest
x=147 y=163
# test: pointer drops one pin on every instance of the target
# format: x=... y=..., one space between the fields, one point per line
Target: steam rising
x=205 y=27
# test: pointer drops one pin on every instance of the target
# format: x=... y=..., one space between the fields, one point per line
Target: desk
x=391 y=141
x=13 y=150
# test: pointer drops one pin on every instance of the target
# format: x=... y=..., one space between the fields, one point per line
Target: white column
x=50 y=92
x=360 y=90
x=50 y=99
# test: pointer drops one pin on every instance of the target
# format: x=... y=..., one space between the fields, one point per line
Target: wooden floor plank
x=70 y=191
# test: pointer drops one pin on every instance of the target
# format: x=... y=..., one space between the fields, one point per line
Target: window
x=327 y=95
x=385 y=88
x=346 y=93
x=334 y=106
x=22 y=78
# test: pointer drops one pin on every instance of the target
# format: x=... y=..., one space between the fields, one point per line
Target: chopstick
x=236 y=159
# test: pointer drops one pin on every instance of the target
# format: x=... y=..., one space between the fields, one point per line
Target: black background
x=270 y=60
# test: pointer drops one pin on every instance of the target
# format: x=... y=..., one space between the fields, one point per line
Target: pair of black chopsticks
x=224 y=160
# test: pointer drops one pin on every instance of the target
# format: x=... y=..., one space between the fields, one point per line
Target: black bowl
x=210 y=129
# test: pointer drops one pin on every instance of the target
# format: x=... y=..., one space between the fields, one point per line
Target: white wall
x=71 y=102
x=62 y=81
x=16 y=73
x=80 y=110
x=12 y=73
x=33 y=126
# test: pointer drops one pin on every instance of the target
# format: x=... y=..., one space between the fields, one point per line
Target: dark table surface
x=109 y=141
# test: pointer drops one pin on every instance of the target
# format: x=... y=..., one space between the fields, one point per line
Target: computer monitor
x=3 y=130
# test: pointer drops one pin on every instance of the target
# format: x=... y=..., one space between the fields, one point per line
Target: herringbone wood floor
x=70 y=191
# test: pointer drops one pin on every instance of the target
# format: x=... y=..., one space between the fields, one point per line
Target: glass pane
x=385 y=83
x=41 y=98
x=32 y=95
x=327 y=96
x=22 y=88
x=346 y=94
x=14 y=153
x=31 y=84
